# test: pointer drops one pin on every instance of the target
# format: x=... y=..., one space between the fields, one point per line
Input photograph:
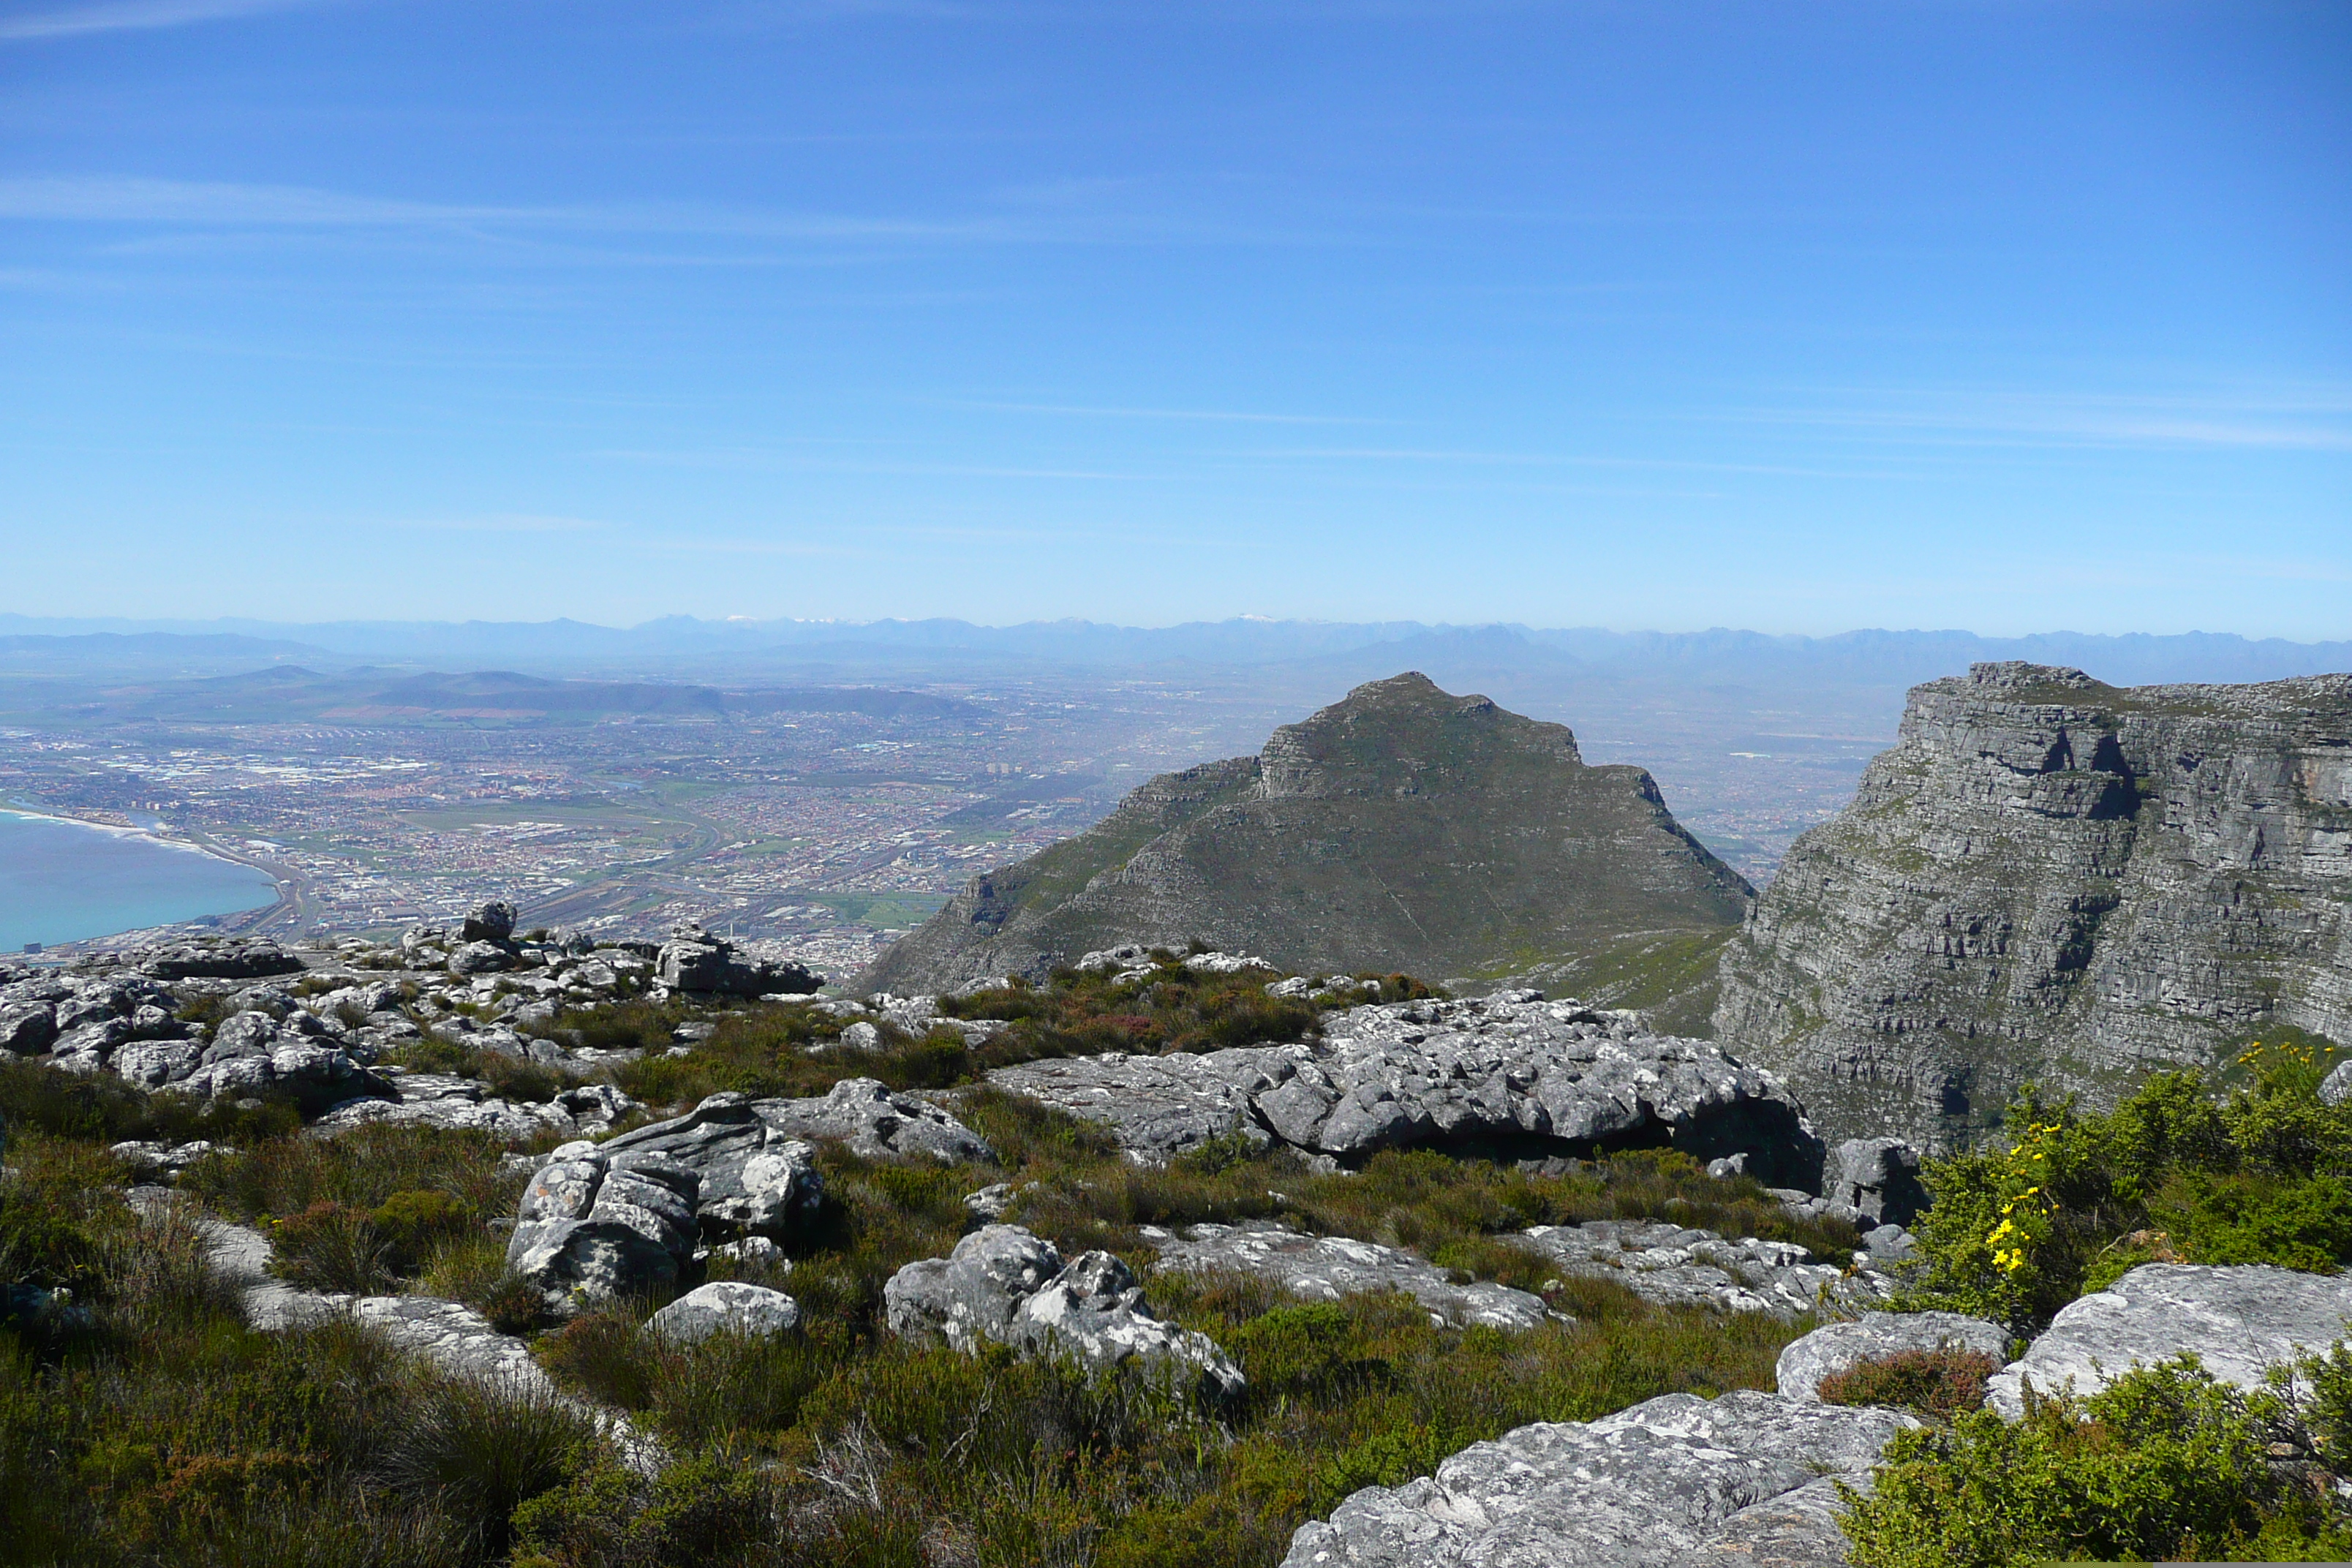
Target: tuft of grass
x=1937 y=1383
x=476 y=1453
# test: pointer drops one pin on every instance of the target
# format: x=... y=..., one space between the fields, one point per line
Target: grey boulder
x=1664 y=1484
x=95 y=1040
x=480 y=958
x=877 y=1123
x=968 y=1297
x=1326 y=1267
x=492 y=921
x=251 y=1033
x=446 y=1101
x=2336 y=1086
x=1878 y=1177
x=593 y=1227
x=752 y=1177
x=233 y=960
x=2238 y=1320
x=314 y=1074
x=154 y=1063
x=1834 y=1347
x=725 y=1306
x=694 y=960
x=28 y=1028
x=1003 y=1284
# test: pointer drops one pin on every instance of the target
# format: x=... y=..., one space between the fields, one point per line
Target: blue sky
x=2006 y=315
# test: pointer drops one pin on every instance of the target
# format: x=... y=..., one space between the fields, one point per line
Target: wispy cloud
x=504 y=522
x=1241 y=417
x=138 y=15
x=2313 y=421
x=222 y=205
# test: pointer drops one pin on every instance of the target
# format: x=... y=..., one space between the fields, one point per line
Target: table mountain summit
x=1401 y=829
x=2050 y=877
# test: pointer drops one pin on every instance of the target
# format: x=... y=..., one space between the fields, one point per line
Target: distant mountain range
x=282 y=693
x=1861 y=658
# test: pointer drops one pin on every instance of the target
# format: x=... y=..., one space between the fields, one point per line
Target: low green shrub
x=334 y=1247
x=605 y=1355
x=704 y=1510
x=98 y=1108
x=1170 y=1009
x=362 y=1168
x=2164 y=1463
x=60 y=1209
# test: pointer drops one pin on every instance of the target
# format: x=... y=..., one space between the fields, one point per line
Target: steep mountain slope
x=2049 y=878
x=1401 y=829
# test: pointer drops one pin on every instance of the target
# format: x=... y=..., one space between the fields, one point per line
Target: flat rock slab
x=2237 y=1320
x=1834 y=1347
x=1510 y=1067
x=1157 y=1107
x=877 y=1123
x=449 y=1334
x=1326 y=1267
x=1660 y=1485
x=446 y=1101
x=1669 y=1266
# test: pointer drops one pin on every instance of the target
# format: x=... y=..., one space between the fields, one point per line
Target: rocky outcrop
x=449 y=1336
x=1003 y=1284
x=2049 y=878
x=696 y=961
x=1506 y=1072
x=1673 y=1481
x=2336 y=1086
x=1668 y=1265
x=1326 y=1267
x=2239 y=1321
x=748 y=1175
x=1873 y=1336
x=224 y=959
x=1401 y=828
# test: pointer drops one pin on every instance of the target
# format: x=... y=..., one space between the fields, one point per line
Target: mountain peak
x=1403 y=827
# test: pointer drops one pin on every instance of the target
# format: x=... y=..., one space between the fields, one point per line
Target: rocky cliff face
x=2049 y=878
x=1401 y=829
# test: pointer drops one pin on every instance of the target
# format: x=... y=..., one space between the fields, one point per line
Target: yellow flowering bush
x=2074 y=1201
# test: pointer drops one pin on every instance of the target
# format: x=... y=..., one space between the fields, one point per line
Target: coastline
x=283 y=892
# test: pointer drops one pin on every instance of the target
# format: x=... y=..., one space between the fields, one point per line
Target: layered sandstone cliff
x=2048 y=877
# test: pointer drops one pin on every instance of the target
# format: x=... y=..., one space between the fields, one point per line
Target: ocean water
x=63 y=881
